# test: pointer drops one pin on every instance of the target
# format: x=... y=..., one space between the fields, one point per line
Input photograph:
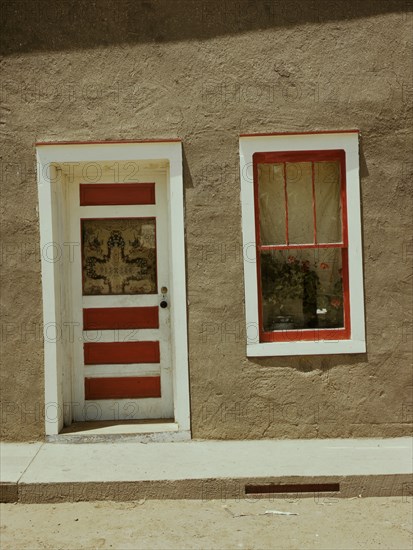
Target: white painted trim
x=304 y=142
x=53 y=397
x=135 y=211
x=121 y=335
x=119 y=370
x=121 y=301
x=48 y=185
x=179 y=330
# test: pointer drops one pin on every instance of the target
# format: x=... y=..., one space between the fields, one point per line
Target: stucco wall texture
x=206 y=72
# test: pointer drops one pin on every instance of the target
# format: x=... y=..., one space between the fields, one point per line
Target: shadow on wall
x=30 y=25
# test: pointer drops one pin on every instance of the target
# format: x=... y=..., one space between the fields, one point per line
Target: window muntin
x=301 y=239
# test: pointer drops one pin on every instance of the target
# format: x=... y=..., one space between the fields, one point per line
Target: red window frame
x=303 y=156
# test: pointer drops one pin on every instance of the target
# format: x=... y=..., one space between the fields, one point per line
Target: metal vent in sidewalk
x=292 y=488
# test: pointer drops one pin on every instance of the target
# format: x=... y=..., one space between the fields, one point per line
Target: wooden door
x=119 y=283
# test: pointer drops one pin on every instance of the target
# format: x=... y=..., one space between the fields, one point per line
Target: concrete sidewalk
x=128 y=470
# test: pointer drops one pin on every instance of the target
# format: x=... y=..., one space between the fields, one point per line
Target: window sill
x=322 y=347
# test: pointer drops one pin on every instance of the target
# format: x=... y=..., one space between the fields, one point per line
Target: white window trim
x=49 y=153
x=349 y=142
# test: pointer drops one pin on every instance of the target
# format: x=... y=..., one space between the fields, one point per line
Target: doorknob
x=164 y=303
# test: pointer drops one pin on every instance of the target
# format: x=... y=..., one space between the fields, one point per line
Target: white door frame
x=55 y=245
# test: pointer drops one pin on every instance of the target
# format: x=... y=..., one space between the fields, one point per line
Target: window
x=296 y=192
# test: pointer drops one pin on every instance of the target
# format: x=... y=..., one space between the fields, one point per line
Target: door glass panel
x=300 y=202
x=119 y=256
x=302 y=289
x=327 y=200
x=272 y=203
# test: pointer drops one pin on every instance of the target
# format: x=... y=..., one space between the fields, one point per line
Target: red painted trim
x=108 y=353
x=301 y=133
x=306 y=335
x=314 y=205
x=107 y=318
x=344 y=253
x=107 y=142
x=343 y=197
x=287 y=233
x=123 y=388
x=346 y=290
x=126 y=218
x=302 y=156
x=295 y=246
x=96 y=194
x=299 y=156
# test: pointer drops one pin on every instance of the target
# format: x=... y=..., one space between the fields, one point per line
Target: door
x=119 y=282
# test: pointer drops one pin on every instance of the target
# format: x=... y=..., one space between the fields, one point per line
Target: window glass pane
x=300 y=202
x=327 y=200
x=302 y=289
x=119 y=256
x=271 y=203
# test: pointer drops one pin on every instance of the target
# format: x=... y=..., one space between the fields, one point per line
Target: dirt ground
x=320 y=522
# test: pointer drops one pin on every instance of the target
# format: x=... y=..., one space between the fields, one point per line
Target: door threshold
x=122 y=426
x=137 y=430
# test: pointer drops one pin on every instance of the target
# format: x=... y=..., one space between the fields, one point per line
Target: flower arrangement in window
x=301 y=292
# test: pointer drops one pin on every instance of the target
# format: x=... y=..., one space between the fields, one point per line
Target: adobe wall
x=206 y=72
